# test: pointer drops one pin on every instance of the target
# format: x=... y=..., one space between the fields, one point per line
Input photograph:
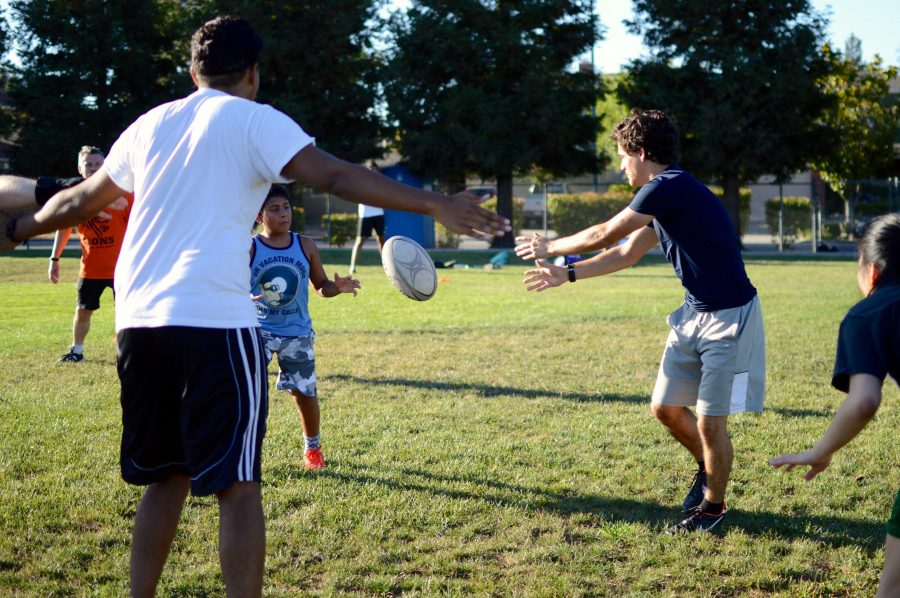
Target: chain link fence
x=815 y=215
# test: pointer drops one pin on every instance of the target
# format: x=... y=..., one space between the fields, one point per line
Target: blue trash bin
x=418 y=227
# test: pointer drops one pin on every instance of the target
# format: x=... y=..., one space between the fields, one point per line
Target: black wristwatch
x=570 y=270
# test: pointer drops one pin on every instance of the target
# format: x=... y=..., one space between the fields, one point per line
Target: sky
x=869 y=20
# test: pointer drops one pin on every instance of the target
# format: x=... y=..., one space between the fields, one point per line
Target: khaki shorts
x=714 y=360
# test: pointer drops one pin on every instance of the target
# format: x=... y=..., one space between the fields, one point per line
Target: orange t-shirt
x=101 y=241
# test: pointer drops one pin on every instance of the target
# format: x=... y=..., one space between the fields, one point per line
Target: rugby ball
x=409 y=268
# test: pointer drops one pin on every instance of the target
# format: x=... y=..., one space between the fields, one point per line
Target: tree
x=853 y=50
x=319 y=68
x=612 y=111
x=86 y=70
x=865 y=119
x=741 y=79
x=485 y=87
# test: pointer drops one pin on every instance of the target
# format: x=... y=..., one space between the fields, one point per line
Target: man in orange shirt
x=101 y=241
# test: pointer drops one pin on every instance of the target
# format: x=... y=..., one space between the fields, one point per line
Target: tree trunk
x=504 y=208
x=732 y=199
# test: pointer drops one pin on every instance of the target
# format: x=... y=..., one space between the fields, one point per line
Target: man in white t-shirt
x=370 y=219
x=191 y=363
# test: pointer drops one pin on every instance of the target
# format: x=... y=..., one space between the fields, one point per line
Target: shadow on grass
x=494 y=391
x=791 y=412
x=831 y=530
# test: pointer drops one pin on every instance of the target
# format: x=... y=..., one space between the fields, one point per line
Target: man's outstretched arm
x=461 y=212
x=67 y=208
x=16 y=193
x=592 y=238
x=546 y=275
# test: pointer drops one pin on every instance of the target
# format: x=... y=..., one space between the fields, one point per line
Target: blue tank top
x=281 y=276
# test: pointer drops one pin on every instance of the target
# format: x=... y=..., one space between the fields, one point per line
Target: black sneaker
x=696 y=492
x=71 y=357
x=698 y=521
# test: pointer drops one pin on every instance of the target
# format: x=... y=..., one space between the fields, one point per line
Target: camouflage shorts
x=296 y=361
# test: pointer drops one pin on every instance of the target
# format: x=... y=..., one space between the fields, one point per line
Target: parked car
x=483 y=191
x=533 y=208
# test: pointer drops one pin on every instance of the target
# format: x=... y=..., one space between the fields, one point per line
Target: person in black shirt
x=868 y=350
x=715 y=354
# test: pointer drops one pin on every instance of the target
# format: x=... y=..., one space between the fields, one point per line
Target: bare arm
x=320 y=281
x=619 y=257
x=547 y=276
x=590 y=239
x=70 y=207
x=854 y=414
x=461 y=212
x=16 y=193
x=59 y=244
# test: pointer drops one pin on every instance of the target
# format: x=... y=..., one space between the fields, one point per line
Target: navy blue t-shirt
x=698 y=239
x=869 y=339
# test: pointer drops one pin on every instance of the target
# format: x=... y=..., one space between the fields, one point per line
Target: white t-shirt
x=365 y=211
x=199 y=168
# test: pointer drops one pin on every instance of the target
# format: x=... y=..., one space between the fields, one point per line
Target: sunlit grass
x=489 y=441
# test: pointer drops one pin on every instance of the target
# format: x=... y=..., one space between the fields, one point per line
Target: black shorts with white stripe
x=194 y=403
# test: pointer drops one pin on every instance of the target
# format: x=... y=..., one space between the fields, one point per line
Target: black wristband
x=47 y=186
x=570 y=270
x=11 y=230
x=54 y=259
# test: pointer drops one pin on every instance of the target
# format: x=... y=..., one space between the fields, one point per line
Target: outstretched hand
x=117 y=206
x=463 y=213
x=545 y=276
x=817 y=463
x=532 y=248
x=6 y=216
x=346 y=284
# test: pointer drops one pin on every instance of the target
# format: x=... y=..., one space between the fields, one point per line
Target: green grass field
x=487 y=442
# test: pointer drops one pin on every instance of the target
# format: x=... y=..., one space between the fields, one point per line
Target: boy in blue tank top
x=282 y=265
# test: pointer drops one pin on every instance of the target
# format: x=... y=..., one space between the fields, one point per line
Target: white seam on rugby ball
x=409 y=268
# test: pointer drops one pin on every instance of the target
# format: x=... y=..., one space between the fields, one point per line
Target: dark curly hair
x=276 y=190
x=880 y=245
x=223 y=49
x=650 y=130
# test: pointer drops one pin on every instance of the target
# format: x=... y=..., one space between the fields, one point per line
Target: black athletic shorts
x=194 y=402
x=367 y=225
x=90 y=289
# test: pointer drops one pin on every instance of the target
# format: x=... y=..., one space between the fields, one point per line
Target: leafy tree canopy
x=319 y=68
x=86 y=70
x=865 y=119
x=486 y=87
x=741 y=78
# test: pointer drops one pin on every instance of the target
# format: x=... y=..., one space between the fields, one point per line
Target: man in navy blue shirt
x=715 y=353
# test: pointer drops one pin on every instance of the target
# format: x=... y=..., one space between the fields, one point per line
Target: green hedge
x=298 y=220
x=343 y=228
x=744 y=197
x=444 y=237
x=575 y=212
x=622 y=188
x=571 y=213
x=871 y=208
x=796 y=221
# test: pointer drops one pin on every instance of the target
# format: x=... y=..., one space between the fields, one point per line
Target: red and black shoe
x=698 y=521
